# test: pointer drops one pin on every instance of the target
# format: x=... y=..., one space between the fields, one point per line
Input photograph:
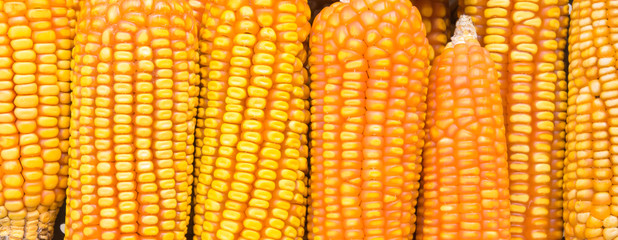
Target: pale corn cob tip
x=464 y=30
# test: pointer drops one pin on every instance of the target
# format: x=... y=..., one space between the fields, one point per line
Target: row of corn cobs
x=262 y=119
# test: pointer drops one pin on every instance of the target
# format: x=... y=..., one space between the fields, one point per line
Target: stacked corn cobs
x=136 y=116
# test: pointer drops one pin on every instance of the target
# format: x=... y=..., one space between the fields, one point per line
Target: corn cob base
x=34 y=226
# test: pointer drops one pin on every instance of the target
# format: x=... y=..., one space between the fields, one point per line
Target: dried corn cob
x=590 y=204
x=34 y=63
x=522 y=39
x=369 y=67
x=465 y=171
x=252 y=124
x=132 y=120
x=435 y=17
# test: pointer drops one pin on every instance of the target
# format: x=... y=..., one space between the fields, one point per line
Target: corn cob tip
x=464 y=30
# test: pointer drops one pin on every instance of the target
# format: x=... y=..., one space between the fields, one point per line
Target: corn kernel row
x=369 y=67
x=252 y=121
x=559 y=141
x=132 y=120
x=532 y=83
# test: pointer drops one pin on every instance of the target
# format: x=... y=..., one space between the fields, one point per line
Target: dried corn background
x=292 y=119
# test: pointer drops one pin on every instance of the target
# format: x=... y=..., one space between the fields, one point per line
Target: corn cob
x=132 y=119
x=465 y=169
x=252 y=124
x=34 y=63
x=65 y=33
x=590 y=204
x=369 y=67
x=521 y=37
x=435 y=17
